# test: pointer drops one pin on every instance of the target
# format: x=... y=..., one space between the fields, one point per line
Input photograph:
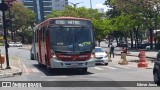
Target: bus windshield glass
x=78 y=39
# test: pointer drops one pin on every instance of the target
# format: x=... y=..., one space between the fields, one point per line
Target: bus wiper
x=86 y=51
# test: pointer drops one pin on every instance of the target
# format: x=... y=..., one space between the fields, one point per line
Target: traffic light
x=3 y=7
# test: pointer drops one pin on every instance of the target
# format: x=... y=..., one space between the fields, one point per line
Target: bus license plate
x=74 y=64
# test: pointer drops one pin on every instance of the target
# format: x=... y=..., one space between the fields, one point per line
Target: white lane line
x=150 y=66
x=122 y=66
x=35 y=70
x=110 y=67
x=24 y=66
x=98 y=68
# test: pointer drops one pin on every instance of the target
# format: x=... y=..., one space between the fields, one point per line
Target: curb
x=137 y=56
x=14 y=71
x=24 y=48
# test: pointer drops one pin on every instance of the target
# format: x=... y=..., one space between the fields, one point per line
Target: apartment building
x=44 y=7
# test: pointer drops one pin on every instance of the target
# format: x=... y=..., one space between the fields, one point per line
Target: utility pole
x=5 y=8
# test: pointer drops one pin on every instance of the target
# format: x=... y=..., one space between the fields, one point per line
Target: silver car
x=18 y=44
x=11 y=44
x=100 y=56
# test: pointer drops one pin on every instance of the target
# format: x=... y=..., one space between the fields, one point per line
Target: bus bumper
x=72 y=64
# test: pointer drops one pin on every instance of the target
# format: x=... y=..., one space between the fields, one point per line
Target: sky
x=86 y=3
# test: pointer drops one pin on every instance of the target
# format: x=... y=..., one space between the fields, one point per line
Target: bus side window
x=44 y=33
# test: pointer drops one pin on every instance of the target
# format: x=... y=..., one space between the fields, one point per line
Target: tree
x=22 y=19
x=144 y=13
x=101 y=25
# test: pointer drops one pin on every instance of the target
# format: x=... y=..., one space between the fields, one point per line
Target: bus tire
x=84 y=70
x=49 y=69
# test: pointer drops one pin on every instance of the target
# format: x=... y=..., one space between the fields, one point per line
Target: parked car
x=100 y=56
x=156 y=69
x=149 y=46
x=11 y=44
x=32 y=56
x=18 y=44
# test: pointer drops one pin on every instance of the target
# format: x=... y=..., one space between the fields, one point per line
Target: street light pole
x=91 y=4
x=75 y=4
x=5 y=38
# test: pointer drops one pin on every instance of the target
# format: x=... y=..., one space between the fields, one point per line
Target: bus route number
x=73 y=22
x=60 y=22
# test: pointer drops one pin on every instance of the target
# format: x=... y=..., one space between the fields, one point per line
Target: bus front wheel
x=83 y=70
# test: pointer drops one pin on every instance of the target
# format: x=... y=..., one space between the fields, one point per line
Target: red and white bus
x=65 y=42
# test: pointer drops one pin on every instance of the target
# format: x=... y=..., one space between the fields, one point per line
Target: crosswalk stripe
x=35 y=70
x=122 y=66
x=98 y=68
x=110 y=67
x=26 y=71
x=150 y=66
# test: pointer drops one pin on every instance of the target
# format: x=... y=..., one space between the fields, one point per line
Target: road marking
x=150 y=66
x=35 y=70
x=24 y=66
x=98 y=68
x=122 y=66
x=132 y=65
x=110 y=67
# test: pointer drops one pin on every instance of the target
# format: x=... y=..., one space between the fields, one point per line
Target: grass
x=1 y=44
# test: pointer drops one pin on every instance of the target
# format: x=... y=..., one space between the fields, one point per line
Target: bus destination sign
x=72 y=22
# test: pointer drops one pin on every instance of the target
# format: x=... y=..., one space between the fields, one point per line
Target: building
x=100 y=10
x=44 y=7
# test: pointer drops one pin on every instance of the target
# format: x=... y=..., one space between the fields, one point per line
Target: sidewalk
x=16 y=68
x=132 y=61
x=149 y=54
x=135 y=53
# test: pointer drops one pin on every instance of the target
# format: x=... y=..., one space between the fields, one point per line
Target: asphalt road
x=112 y=72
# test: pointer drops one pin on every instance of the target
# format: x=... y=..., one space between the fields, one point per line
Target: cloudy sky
x=86 y=3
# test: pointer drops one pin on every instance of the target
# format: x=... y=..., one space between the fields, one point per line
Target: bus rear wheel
x=39 y=64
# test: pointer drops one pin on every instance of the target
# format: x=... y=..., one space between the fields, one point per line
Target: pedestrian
x=111 y=50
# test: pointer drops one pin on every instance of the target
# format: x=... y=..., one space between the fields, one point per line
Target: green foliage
x=22 y=18
x=80 y=12
x=101 y=25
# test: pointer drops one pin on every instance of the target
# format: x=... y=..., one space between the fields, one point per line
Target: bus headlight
x=92 y=56
x=54 y=57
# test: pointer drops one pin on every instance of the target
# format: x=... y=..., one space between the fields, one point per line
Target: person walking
x=111 y=50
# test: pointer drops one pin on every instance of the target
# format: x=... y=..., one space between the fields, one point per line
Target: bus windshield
x=78 y=39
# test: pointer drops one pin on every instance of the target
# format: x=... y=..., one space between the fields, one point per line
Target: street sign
x=3 y=7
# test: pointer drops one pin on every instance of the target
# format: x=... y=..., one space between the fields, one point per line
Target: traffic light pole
x=11 y=29
x=5 y=38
